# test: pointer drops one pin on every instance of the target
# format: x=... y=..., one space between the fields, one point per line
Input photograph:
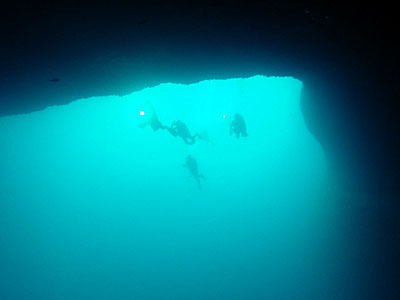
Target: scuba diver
x=203 y=135
x=238 y=126
x=191 y=164
x=178 y=128
x=152 y=120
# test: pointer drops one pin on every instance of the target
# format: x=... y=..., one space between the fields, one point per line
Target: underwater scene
x=213 y=190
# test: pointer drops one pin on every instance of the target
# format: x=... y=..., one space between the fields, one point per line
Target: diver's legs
x=171 y=131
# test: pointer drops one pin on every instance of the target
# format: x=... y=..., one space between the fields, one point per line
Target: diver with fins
x=178 y=128
x=153 y=120
x=191 y=164
x=238 y=126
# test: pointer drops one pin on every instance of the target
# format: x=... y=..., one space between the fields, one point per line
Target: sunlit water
x=95 y=207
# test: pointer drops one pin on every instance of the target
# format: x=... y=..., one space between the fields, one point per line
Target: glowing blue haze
x=101 y=197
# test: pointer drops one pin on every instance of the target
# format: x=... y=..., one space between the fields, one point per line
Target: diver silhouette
x=203 y=135
x=153 y=120
x=191 y=164
x=178 y=128
x=238 y=126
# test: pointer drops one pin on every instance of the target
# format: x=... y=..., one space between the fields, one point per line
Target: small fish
x=54 y=79
x=191 y=164
x=142 y=22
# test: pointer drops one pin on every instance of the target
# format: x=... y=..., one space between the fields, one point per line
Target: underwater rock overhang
x=100 y=136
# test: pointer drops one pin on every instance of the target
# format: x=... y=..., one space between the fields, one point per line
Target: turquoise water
x=95 y=207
